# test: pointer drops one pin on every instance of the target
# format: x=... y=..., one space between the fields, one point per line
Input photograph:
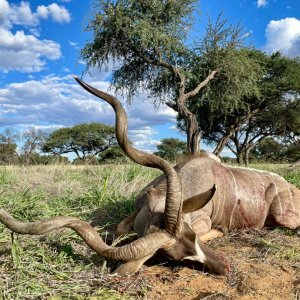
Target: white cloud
x=143 y=138
x=4 y=11
x=25 y=53
x=21 y=14
x=58 y=13
x=74 y=45
x=262 y=3
x=284 y=36
x=34 y=31
x=22 y=51
x=247 y=34
x=59 y=101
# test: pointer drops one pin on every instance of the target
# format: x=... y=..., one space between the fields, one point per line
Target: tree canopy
x=9 y=136
x=8 y=153
x=150 y=41
x=272 y=150
x=171 y=149
x=82 y=139
x=273 y=111
x=33 y=140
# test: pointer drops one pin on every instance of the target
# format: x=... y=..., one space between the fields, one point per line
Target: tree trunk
x=193 y=136
x=221 y=145
x=240 y=158
x=246 y=158
x=192 y=127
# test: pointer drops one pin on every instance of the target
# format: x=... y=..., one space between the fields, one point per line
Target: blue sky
x=39 y=50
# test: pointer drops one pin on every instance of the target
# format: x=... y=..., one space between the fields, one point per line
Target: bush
x=37 y=159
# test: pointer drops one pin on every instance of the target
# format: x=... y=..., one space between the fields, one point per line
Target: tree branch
x=172 y=105
x=154 y=62
x=201 y=85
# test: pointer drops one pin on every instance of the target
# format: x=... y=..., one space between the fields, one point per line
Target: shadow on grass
x=110 y=214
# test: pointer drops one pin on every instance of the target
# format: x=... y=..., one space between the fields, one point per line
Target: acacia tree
x=273 y=150
x=278 y=110
x=149 y=40
x=82 y=139
x=268 y=113
x=171 y=149
x=33 y=140
x=275 y=121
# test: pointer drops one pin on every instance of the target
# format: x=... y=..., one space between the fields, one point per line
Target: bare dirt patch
x=264 y=265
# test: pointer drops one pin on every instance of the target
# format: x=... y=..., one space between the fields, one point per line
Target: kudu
x=178 y=208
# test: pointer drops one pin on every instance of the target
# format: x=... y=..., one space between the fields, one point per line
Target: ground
x=265 y=264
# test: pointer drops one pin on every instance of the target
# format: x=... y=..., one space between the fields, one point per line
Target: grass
x=60 y=265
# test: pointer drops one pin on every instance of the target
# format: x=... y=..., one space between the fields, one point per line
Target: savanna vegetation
x=61 y=266
x=224 y=93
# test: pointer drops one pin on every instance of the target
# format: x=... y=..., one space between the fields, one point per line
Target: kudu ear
x=197 y=202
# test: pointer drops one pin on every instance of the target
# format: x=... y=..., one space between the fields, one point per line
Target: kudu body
x=176 y=209
x=243 y=198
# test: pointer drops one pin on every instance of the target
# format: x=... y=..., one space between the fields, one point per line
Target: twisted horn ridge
x=173 y=208
x=138 y=249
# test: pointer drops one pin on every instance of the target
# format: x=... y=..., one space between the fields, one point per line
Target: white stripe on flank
x=277 y=194
x=291 y=195
x=260 y=179
x=236 y=196
x=216 y=203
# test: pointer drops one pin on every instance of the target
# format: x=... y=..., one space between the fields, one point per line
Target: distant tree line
x=267 y=150
x=91 y=143
x=95 y=143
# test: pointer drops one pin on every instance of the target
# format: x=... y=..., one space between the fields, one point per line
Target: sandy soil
x=264 y=265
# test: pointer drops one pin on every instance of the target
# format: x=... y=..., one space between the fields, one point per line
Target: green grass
x=60 y=265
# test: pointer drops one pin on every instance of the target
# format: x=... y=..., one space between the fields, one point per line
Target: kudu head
x=174 y=236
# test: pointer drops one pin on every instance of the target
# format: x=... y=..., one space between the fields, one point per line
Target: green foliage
x=59 y=265
x=8 y=153
x=274 y=111
x=238 y=68
x=83 y=140
x=113 y=155
x=292 y=152
x=268 y=150
x=37 y=159
x=33 y=140
x=123 y=31
x=134 y=32
x=273 y=151
x=88 y=160
x=171 y=149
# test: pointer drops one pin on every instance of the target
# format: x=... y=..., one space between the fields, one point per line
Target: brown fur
x=244 y=197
